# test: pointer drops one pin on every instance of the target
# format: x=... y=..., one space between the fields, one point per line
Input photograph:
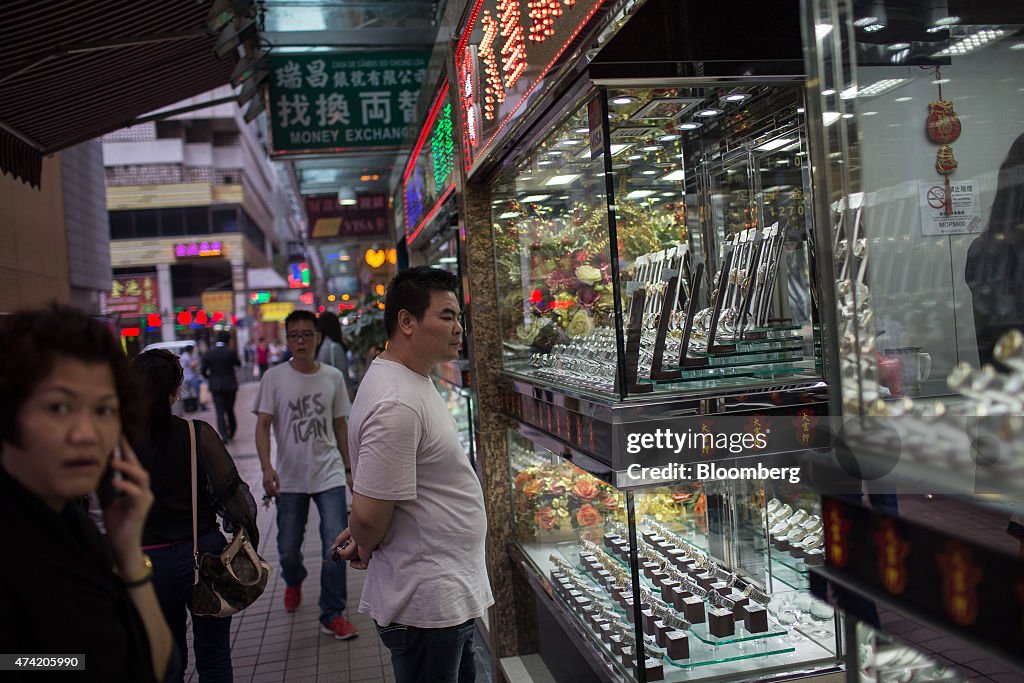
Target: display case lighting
x=736 y=97
x=649 y=172
x=775 y=144
x=898 y=46
x=535 y=198
x=829 y=117
x=669 y=138
x=509 y=214
x=619 y=147
x=562 y=179
x=903 y=99
x=650 y=148
x=639 y=194
x=709 y=112
x=623 y=99
x=676 y=175
x=689 y=125
x=873 y=28
x=581 y=131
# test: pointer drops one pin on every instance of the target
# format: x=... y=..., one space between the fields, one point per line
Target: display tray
x=711 y=657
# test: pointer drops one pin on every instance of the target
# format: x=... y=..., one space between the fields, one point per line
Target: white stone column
x=166 y=294
x=241 y=299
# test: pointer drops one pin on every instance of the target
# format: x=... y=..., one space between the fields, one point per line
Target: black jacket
x=59 y=595
x=218 y=367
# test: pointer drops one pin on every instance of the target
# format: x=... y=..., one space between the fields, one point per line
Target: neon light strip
x=536 y=82
x=437 y=207
x=428 y=127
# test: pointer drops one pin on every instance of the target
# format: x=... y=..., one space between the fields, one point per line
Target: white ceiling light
x=678 y=174
x=971 y=43
x=624 y=99
x=830 y=117
x=669 y=138
x=736 y=97
x=509 y=214
x=562 y=179
x=872 y=90
x=689 y=125
x=639 y=194
x=709 y=112
x=535 y=198
x=617 y=147
x=873 y=28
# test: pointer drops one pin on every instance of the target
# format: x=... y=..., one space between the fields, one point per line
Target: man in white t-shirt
x=306 y=403
x=418 y=521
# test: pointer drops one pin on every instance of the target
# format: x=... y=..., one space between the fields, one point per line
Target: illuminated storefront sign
x=133 y=295
x=204 y=248
x=298 y=275
x=368 y=217
x=499 y=61
x=429 y=176
x=331 y=102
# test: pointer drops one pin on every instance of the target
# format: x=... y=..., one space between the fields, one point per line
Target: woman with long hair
x=332 y=349
x=165 y=451
x=66 y=394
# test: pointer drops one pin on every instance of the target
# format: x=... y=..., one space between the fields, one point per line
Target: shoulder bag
x=230 y=581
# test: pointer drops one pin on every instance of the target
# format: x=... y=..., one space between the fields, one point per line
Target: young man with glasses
x=306 y=403
x=418 y=520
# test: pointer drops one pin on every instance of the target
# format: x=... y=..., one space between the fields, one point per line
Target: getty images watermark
x=671 y=441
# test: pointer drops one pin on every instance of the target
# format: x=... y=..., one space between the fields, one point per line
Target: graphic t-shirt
x=303 y=408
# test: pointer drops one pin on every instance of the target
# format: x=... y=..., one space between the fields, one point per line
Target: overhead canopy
x=265 y=278
x=71 y=70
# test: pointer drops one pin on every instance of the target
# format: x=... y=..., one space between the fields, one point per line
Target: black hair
x=159 y=373
x=299 y=315
x=31 y=342
x=410 y=290
x=330 y=328
x=1008 y=204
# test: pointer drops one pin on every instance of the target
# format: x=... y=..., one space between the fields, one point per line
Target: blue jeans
x=211 y=636
x=292 y=513
x=431 y=655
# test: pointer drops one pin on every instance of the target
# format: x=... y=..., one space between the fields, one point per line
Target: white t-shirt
x=429 y=570
x=304 y=407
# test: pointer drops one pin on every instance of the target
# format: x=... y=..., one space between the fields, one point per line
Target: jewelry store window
x=659 y=240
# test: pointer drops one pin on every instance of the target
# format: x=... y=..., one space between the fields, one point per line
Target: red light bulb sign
x=499 y=63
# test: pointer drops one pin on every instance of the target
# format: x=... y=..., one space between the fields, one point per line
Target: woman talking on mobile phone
x=65 y=591
x=165 y=451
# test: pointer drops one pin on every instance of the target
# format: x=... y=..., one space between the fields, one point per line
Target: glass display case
x=919 y=123
x=678 y=582
x=660 y=240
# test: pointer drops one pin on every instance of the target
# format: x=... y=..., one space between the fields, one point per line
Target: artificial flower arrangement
x=566 y=291
x=560 y=500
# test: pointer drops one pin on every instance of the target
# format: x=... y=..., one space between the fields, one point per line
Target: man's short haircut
x=411 y=290
x=299 y=315
x=31 y=343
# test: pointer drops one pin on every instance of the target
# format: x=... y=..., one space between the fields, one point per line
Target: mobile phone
x=106 y=491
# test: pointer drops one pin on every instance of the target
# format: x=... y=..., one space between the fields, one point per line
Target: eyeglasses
x=296 y=336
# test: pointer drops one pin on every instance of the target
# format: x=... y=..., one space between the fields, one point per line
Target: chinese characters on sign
x=337 y=101
x=429 y=173
x=507 y=47
x=133 y=295
x=964 y=208
x=368 y=218
x=204 y=248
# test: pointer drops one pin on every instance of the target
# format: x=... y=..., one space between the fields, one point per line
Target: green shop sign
x=335 y=102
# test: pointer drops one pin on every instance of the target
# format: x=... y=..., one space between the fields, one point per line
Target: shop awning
x=71 y=70
x=265 y=278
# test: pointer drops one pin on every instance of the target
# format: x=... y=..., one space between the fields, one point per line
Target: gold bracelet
x=141 y=577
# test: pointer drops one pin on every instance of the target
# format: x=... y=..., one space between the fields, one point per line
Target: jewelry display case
x=659 y=241
x=720 y=568
x=921 y=139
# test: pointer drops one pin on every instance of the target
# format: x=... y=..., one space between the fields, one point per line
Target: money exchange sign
x=333 y=102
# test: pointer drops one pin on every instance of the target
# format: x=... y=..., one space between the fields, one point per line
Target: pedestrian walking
x=306 y=403
x=262 y=357
x=418 y=518
x=219 y=365
x=165 y=450
x=332 y=350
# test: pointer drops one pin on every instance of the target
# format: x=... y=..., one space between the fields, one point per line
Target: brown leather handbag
x=230 y=581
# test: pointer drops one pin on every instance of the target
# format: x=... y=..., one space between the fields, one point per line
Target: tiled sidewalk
x=269 y=644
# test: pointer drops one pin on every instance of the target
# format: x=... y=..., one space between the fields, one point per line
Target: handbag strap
x=195 y=524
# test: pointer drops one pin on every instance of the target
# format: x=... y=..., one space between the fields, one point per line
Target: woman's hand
x=125 y=516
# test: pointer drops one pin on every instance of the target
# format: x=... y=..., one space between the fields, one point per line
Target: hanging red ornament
x=943 y=127
x=943 y=123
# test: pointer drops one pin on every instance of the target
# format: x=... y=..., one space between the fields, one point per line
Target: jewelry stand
x=748 y=296
x=667 y=306
x=691 y=313
x=716 y=308
x=634 y=331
